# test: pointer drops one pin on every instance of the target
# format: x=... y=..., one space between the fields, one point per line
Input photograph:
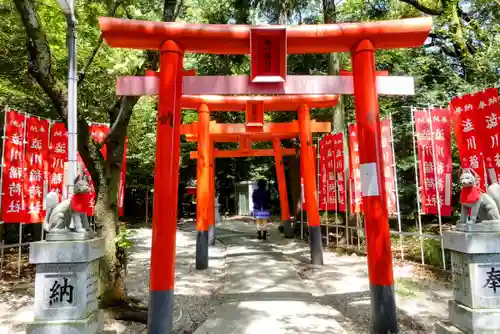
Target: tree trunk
x=106 y=208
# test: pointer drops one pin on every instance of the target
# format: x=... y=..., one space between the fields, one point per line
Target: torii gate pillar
x=373 y=190
x=203 y=186
x=166 y=180
x=280 y=176
x=308 y=170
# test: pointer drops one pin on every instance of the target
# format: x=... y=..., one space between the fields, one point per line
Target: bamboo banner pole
x=19 y=255
x=396 y=188
x=436 y=185
x=6 y=109
x=417 y=184
x=336 y=201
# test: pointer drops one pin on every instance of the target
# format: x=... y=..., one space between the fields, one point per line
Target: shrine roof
x=235 y=39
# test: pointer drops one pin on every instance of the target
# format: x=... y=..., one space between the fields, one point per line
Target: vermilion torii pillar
x=269 y=47
x=203 y=192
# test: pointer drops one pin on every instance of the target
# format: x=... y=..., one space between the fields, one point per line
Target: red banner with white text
x=489 y=110
x=58 y=155
x=433 y=132
x=36 y=159
x=389 y=168
x=13 y=169
x=328 y=198
x=469 y=133
x=98 y=133
x=338 y=147
x=354 y=171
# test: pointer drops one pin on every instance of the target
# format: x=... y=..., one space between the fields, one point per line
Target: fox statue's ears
x=464 y=170
x=79 y=177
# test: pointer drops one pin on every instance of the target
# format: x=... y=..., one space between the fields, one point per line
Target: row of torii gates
x=268 y=47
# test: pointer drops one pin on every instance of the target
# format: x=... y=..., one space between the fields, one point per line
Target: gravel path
x=343 y=280
x=342 y=283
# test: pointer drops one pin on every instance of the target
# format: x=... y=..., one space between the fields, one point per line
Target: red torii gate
x=273 y=132
x=269 y=48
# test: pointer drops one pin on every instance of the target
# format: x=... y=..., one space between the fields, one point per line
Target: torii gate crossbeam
x=359 y=39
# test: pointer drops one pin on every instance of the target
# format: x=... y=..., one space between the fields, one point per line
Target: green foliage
x=462 y=55
x=123 y=240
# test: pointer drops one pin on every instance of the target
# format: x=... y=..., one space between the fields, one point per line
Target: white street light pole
x=68 y=7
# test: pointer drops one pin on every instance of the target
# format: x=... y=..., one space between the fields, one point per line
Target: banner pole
x=1 y=181
x=429 y=113
x=417 y=184
x=301 y=210
x=318 y=178
x=25 y=142
x=327 y=198
x=19 y=249
x=3 y=156
x=346 y=211
x=335 y=188
x=1 y=259
x=396 y=188
x=46 y=177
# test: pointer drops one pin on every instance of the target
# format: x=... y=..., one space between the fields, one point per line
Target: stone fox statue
x=70 y=214
x=482 y=206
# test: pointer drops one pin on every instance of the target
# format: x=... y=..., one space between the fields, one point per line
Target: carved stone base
x=484 y=226
x=69 y=236
x=447 y=328
x=474 y=320
x=90 y=325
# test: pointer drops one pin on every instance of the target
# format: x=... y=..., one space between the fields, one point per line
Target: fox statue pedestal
x=66 y=286
x=475 y=265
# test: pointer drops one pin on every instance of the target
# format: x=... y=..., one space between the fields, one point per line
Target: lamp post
x=68 y=7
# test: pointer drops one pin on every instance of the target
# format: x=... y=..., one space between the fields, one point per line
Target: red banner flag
x=58 y=155
x=433 y=131
x=13 y=169
x=98 y=132
x=328 y=197
x=489 y=110
x=389 y=172
x=469 y=133
x=328 y=175
x=338 y=147
x=354 y=171
x=36 y=159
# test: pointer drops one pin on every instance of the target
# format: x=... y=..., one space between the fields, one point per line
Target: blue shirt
x=260 y=199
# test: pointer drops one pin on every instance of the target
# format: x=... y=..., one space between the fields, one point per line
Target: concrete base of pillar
x=288 y=229
x=316 y=245
x=201 y=250
x=383 y=309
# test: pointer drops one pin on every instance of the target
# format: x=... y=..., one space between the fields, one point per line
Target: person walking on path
x=261 y=202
